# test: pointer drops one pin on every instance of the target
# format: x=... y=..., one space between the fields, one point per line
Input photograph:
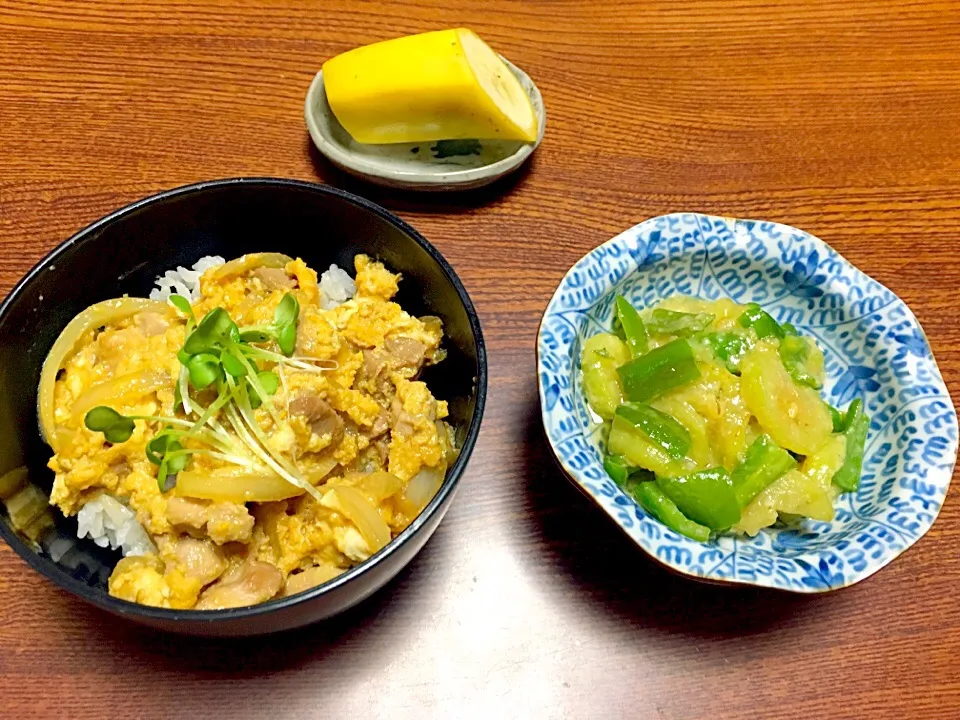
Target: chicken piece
x=405 y=352
x=380 y=425
x=274 y=278
x=402 y=422
x=374 y=363
x=121 y=468
x=229 y=522
x=223 y=521
x=200 y=559
x=322 y=418
x=317 y=337
x=187 y=512
x=151 y=323
x=382 y=448
x=311 y=577
x=249 y=583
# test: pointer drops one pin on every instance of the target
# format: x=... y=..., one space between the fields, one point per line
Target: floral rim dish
x=874 y=348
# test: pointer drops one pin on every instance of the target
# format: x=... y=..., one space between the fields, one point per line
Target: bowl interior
x=125 y=252
x=874 y=349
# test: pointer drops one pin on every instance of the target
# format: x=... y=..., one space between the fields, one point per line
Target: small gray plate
x=438 y=165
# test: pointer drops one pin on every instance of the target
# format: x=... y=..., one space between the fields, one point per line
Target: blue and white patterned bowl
x=874 y=349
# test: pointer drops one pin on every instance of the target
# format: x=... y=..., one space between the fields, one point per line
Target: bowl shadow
x=451 y=202
x=603 y=564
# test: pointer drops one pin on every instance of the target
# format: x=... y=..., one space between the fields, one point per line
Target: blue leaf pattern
x=856 y=381
x=914 y=343
x=874 y=349
x=803 y=279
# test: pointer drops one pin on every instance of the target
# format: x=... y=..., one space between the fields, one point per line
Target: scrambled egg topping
x=365 y=432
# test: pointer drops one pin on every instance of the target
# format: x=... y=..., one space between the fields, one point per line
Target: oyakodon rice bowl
x=246 y=433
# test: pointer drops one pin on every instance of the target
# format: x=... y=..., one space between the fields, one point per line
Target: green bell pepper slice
x=662 y=369
x=761 y=322
x=706 y=497
x=796 y=356
x=847 y=478
x=617 y=468
x=652 y=499
x=764 y=462
x=681 y=324
x=729 y=348
x=662 y=430
x=631 y=326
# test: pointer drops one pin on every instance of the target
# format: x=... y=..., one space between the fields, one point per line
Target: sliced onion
x=64 y=436
x=250 y=261
x=238 y=485
x=420 y=491
x=378 y=486
x=102 y=313
x=311 y=577
x=351 y=503
x=119 y=391
x=318 y=472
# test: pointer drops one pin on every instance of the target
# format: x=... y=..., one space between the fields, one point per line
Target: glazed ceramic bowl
x=433 y=166
x=874 y=348
x=124 y=253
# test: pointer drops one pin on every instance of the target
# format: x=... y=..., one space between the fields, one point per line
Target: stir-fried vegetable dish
x=265 y=436
x=713 y=418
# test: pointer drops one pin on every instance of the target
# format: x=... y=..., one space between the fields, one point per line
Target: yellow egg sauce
x=349 y=417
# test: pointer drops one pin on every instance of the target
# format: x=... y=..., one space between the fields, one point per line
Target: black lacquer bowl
x=123 y=254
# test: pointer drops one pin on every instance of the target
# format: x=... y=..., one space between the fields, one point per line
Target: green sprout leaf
x=180 y=458
x=157 y=448
x=116 y=428
x=287 y=311
x=165 y=451
x=214 y=331
x=165 y=480
x=101 y=418
x=270 y=383
x=204 y=370
x=254 y=336
x=120 y=432
x=287 y=340
x=168 y=483
x=182 y=304
x=232 y=365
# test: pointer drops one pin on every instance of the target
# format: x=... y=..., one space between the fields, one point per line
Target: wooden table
x=842 y=118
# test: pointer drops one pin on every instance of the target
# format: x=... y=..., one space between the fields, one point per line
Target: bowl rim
x=101 y=598
x=572 y=476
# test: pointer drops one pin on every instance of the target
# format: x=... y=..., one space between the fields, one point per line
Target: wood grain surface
x=842 y=118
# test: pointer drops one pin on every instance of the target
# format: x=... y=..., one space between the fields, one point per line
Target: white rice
x=336 y=287
x=183 y=281
x=106 y=521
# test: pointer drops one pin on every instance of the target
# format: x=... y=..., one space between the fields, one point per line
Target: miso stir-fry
x=714 y=420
